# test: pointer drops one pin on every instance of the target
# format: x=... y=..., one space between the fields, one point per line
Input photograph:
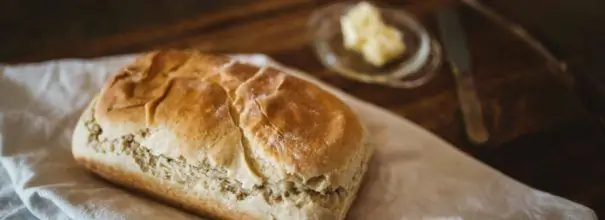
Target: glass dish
x=419 y=63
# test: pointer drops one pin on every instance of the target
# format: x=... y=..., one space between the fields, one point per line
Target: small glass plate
x=419 y=63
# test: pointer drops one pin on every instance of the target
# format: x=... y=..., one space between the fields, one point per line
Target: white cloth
x=413 y=174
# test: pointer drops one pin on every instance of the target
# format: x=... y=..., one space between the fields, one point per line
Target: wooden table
x=542 y=134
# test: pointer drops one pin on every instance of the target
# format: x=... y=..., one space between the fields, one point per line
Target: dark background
x=573 y=31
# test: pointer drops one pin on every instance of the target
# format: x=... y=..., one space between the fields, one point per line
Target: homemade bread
x=224 y=139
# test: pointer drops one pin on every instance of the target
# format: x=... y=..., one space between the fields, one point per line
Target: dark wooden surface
x=544 y=131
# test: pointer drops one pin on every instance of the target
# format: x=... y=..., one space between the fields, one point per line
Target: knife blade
x=454 y=41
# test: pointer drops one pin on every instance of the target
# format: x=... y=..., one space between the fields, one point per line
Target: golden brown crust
x=177 y=124
x=206 y=107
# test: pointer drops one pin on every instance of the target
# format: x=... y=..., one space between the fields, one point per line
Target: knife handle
x=471 y=107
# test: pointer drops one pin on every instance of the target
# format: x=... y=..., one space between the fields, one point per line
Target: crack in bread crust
x=233 y=112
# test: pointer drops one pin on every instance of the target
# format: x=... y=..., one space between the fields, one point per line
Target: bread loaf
x=224 y=139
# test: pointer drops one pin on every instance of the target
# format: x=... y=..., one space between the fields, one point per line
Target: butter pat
x=365 y=32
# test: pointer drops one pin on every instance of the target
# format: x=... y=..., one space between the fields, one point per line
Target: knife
x=456 y=49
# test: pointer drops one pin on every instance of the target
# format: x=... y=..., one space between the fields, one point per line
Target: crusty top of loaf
x=258 y=124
